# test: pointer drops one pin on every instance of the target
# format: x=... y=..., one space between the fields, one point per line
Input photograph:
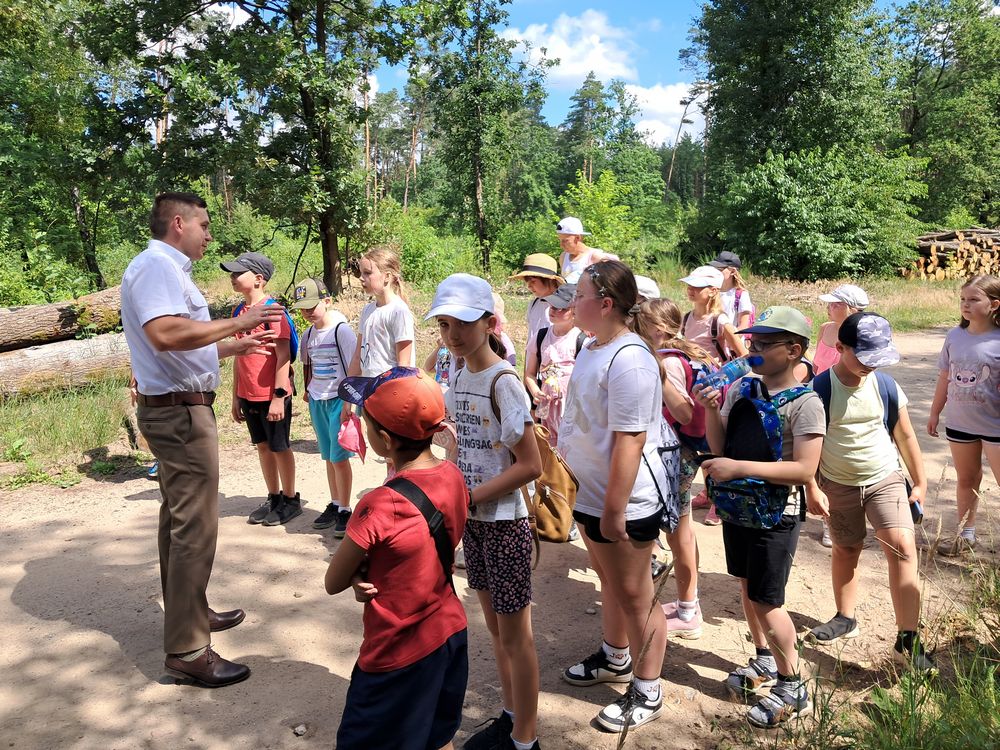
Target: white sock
x=687 y=610
x=969 y=532
x=523 y=745
x=649 y=688
x=617 y=656
x=194 y=654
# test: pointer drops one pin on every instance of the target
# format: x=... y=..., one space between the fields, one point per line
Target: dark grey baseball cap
x=870 y=336
x=253 y=262
x=562 y=297
x=726 y=259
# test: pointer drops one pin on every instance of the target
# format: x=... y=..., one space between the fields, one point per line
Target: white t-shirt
x=857 y=449
x=573 y=267
x=538 y=318
x=328 y=351
x=600 y=403
x=381 y=329
x=483 y=445
x=156 y=283
x=728 y=299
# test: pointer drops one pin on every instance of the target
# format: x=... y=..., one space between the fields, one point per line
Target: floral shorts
x=498 y=560
x=688 y=469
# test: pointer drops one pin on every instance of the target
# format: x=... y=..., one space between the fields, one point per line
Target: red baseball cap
x=404 y=400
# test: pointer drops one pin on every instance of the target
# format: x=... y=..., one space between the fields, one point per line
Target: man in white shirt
x=175 y=348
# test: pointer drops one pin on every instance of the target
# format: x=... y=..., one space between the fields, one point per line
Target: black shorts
x=639 y=530
x=762 y=556
x=957 y=436
x=418 y=707
x=277 y=435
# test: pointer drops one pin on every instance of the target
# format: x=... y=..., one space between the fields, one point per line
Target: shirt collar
x=173 y=253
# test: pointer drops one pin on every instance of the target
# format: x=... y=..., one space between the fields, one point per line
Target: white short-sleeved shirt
x=328 y=351
x=857 y=449
x=381 y=329
x=538 y=318
x=157 y=283
x=728 y=300
x=599 y=403
x=483 y=445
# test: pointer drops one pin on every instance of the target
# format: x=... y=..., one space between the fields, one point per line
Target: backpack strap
x=340 y=352
x=889 y=394
x=238 y=309
x=715 y=338
x=823 y=387
x=434 y=519
x=581 y=337
x=538 y=344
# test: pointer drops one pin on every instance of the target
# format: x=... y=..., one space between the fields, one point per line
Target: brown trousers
x=185 y=441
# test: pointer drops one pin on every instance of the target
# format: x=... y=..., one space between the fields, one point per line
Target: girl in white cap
x=841 y=303
x=707 y=324
x=575 y=255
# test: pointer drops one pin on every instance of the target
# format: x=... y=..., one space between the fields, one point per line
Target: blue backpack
x=293 y=339
x=753 y=433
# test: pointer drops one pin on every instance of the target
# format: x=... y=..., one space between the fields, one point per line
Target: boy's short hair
x=407 y=446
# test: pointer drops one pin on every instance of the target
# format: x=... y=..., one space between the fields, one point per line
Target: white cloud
x=660 y=111
x=583 y=43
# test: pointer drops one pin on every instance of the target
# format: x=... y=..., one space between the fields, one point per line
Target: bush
x=518 y=239
x=601 y=206
x=816 y=214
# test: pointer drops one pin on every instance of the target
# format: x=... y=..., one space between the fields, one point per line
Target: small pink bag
x=350 y=437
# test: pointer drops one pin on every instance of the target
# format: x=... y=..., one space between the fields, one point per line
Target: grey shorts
x=884 y=504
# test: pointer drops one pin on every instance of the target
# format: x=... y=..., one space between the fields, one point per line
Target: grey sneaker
x=340 y=528
x=832 y=631
x=744 y=683
x=783 y=703
x=914 y=659
x=264 y=509
x=597 y=668
x=327 y=518
x=957 y=548
x=287 y=509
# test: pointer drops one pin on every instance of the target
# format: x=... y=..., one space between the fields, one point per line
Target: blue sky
x=637 y=41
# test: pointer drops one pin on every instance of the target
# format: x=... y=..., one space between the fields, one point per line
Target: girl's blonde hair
x=990 y=286
x=663 y=315
x=738 y=281
x=715 y=302
x=386 y=260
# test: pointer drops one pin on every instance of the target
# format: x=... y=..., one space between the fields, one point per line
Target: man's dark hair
x=166 y=206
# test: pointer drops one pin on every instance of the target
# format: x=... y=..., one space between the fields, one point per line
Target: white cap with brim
x=850 y=295
x=647 y=287
x=704 y=276
x=462 y=296
x=570 y=225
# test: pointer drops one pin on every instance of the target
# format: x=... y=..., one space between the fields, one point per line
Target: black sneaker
x=340 y=528
x=327 y=518
x=832 y=631
x=597 y=668
x=658 y=569
x=285 y=511
x=265 y=508
x=632 y=710
x=492 y=735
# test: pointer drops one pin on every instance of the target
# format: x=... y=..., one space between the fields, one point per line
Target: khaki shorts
x=884 y=504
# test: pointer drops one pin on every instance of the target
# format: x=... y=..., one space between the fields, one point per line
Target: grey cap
x=253 y=262
x=726 y=259
x=562 y=297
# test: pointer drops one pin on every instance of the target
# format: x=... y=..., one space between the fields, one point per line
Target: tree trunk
x=40 y=324
x=484 y=245
x=331 y=253
x=63 y=364
x=88 y=239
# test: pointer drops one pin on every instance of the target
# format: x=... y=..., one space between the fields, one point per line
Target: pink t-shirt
x=255 y=372
x=699 y=331
x=826 y=356
x=415 y=610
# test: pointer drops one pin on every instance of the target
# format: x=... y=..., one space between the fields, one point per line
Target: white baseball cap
x=462 y=296
x=570 y=225
x=850 y=295
x=647 y=287
x=704 y=276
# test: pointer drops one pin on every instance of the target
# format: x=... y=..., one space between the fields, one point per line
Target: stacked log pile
x=61 y=345
x=956 y=254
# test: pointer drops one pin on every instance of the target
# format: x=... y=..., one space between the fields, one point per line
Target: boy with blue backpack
x=868 y=429
x=767 y=434
x=262 y=393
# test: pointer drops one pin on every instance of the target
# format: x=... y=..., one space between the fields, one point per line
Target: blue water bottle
x=731 y=371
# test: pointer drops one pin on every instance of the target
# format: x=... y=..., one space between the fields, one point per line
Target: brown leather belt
x=179 y=398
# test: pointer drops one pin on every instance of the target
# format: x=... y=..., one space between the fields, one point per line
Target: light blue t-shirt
x=973 y=365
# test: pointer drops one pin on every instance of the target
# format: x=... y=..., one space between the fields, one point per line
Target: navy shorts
x=762 y=556
x=957 y=436
x=418 y=707
x=639 y=530
x=277 y=435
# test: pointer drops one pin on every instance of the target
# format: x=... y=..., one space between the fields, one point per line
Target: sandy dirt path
x=81 y=663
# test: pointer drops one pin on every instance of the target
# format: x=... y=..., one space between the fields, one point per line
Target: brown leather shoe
x=224 y=620
x=208 y=670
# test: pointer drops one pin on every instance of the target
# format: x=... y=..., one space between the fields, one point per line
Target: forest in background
x=835 y=132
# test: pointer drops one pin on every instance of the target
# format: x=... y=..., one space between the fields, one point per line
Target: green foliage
x=603 y=207
x=817 y=214
x=521 y=238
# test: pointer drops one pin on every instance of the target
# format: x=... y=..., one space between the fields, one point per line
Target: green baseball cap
x=309 y=293
x=781 y=319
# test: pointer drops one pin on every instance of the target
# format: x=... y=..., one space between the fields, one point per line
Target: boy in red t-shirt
x=262 y=394
x=408 y=685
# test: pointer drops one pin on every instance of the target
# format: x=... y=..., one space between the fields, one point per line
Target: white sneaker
x=460 y=558
x=826 y=541
x=634 y=709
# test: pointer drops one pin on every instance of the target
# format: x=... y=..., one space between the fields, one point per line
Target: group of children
x=608 y=363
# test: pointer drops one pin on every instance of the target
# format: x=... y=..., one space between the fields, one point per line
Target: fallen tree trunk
x=63 y=364
x=39 y=324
